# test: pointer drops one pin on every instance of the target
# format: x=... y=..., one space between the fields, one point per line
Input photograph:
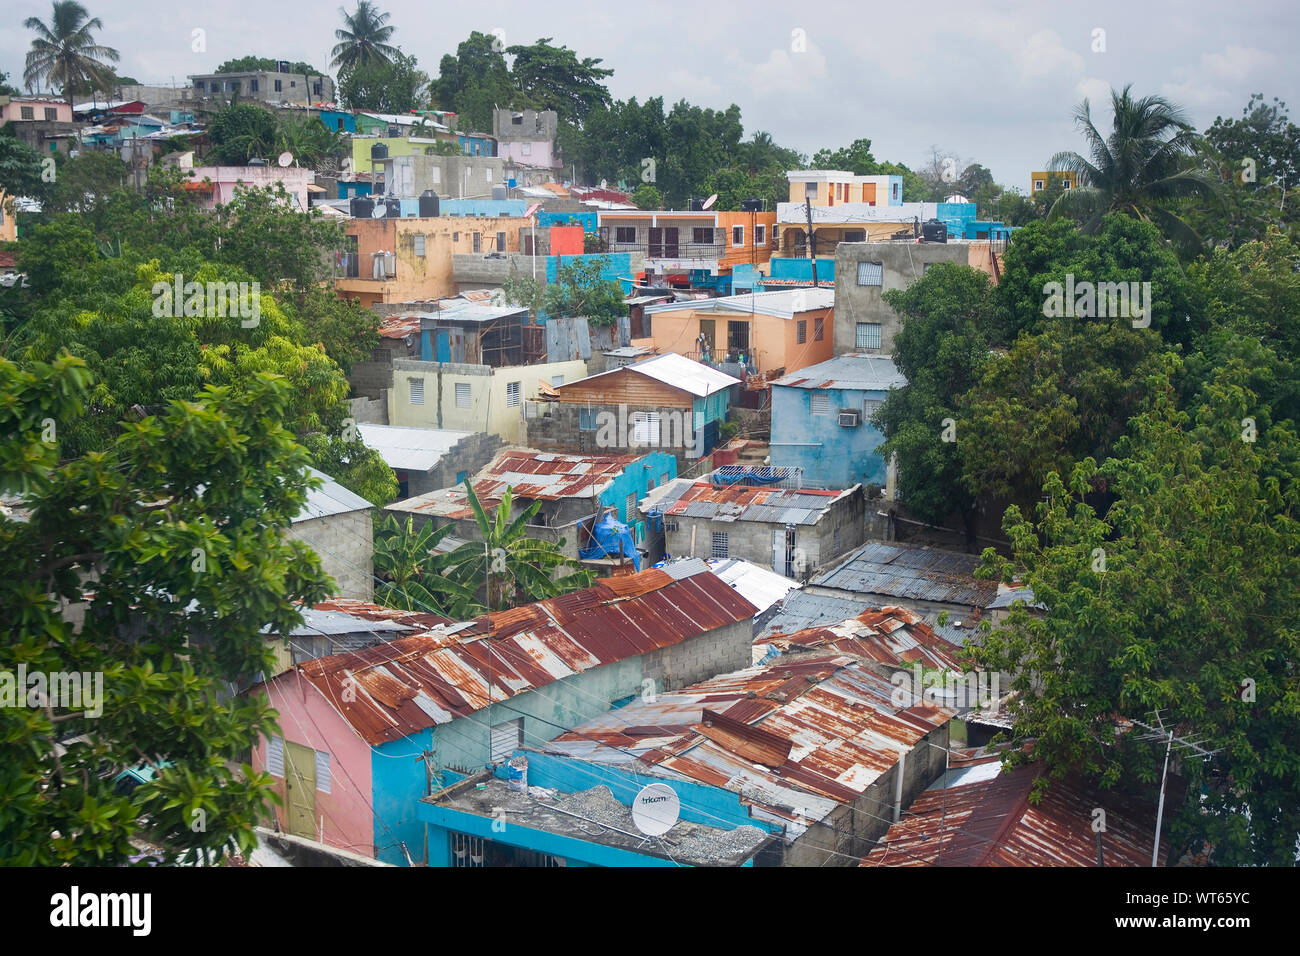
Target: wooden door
x=300 y=790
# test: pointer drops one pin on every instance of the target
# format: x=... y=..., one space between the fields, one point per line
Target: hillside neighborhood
x=458 y=466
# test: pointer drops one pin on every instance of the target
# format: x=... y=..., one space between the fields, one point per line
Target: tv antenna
x=1156 y=730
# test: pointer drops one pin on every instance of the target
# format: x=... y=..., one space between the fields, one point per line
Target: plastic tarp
x=609 y=538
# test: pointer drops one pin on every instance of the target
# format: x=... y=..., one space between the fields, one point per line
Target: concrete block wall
x=699 y=658
x=346 y=546
x=849 y=519
x=471 y=455
x=369 y=411
x=370 y=378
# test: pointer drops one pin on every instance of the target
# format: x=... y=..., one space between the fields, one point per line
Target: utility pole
x=1156 y=730
x=812 y=239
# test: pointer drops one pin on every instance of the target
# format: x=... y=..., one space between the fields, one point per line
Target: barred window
x=462 y=395
x=871 y=273
x=719 y=544
x=868 y=335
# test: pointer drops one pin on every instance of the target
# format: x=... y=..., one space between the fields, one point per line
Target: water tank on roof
x=428 y=204
x=362 y=207
x=934 y=230
x=379 y=151
x=696 y=205
x=751 y=205
x=394 y=207
x=498 y=192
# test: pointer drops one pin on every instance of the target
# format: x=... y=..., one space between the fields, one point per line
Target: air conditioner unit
x=850 y=419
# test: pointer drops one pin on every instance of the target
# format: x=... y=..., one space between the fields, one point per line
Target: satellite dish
x=708 y=203
x=655 y=809
x=286 y=158
x=380 y=211
x=603 y=184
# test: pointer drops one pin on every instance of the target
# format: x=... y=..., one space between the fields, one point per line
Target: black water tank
x=379 y=151
x=934 y=230
x=697 y=205
x=428 y=204
x=362 y=207
x=394 y=207
x=751 y=205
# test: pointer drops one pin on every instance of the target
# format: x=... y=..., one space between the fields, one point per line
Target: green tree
x=182 y=525
x=312 y=143
x=511 y=568
x=473 y=82
x=1263 y=147
x=416 y=576
x=363 y=38
x=647 y=196
x=21 y=168
x=579 y=291
x=86 y=185
x=553 y=78
x=394 y=85
x=353 y=465
x=255 y=64
x=241 y=132
x=1173 y=590
x=1137 y=170
x=65 y=54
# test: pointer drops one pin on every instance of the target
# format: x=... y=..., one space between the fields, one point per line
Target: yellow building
x=1038 y=181
x=8 y=224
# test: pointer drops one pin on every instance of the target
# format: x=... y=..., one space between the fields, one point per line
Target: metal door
x=300 y=790
x=671 y=247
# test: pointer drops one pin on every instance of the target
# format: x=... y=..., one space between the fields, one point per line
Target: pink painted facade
x=227 y=179
x=306 y=718
x=540 y=153
x=13 y=110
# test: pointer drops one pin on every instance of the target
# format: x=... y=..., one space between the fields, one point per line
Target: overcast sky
x=995 y=85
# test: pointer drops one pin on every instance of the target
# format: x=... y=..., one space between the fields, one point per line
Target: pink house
x=299 y=183
x=36 y=108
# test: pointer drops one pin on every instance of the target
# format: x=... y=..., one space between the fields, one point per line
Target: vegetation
x=579 y=291
x=363 y=38
x=65 y=54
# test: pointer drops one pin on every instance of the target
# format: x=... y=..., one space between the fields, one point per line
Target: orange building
x=768 y=331
x=677 y=243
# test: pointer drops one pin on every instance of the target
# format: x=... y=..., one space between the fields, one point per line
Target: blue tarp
x=607 y=537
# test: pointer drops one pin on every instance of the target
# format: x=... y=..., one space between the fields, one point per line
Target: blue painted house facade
x=821 y=420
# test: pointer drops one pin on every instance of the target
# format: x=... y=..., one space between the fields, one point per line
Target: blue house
x=821 y=420
x=341 y=120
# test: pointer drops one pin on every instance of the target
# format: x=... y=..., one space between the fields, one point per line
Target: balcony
x=705 y=251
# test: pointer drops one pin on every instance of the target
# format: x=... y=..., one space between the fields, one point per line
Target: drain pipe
x=898 y=787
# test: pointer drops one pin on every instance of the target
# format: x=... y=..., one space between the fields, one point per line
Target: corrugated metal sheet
x=920 y=574
x=838 y=718
x=742 y=503
x=329 y=499
x=405 y=685
x=891 y=635
x=981 y=821
x=867 y=373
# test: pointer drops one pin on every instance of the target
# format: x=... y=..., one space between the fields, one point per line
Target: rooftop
x=691 y=499
x=760 y=586
x=795 y=738
x=980 y=815
x=782 y=303
x=671 y=369
x=892 y=635
x=452 y=670
x=923 y=574
x=411 y=449
x=330 y=499
x=868 y=373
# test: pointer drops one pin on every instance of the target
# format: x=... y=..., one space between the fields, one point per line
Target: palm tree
x=65 y=54
x=416 y=576
x=364 y=40
x=518 y=568
x=1146 y=161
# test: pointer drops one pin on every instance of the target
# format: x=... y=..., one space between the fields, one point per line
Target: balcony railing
x=667 y=250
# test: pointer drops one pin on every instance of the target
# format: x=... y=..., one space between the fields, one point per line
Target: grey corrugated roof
x=316 y=621
x=801 y=610
x=330 y=499
x=868 y=373
x=923 y=574
x=1007 y=598
x=411 y=449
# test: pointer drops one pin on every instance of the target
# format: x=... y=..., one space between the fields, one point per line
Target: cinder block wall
x=700 y=658
x=471 y=455
x=558 y=431
x=346 y=546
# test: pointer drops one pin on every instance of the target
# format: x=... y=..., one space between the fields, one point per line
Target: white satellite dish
x=708 y=203
x=380 y=211
x=603 y=184
x=655 y=809
x=286 y=158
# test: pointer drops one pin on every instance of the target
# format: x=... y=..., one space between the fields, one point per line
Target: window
x=630 y=512
x=663 y=479
x=323 y=771
x=455 y=237
x=737 y=235
x=855 y=235
x=29 y=112
x=275 y=756
x=487 y=175
x=279 y=86
x=819 y=328
x=252 y=86
x=821 y=403
x=437 y=175
x=505 y=739
x=625 y=234
x=51 y=114
x=871 y=273
x=895 y=190
x=315 y=89
x=528 y=149
x=1065 y=183
x=514 y=393
x=462 y=395
x=478 y=242
x=419 y=245
x=738 y=337
x=760 y=235
x=801 y=332
x=645 y=428
x=293 y=84
x=501 y=242
x=869 y=408
x=868 y=335
x=702 y=237
x=417 y=391
x=1038 y=184
x=586 y=419
x=557 y=379
x=719 y=544
x=461 y=476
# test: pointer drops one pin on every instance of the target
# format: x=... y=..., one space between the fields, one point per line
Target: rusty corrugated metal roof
x=983 y=817
x=795 y=738
x=910 y=573
x=402 y=686
x=891 y=635
x=743 y=502
x=399 y=326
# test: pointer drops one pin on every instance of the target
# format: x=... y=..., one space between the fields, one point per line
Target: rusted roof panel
x=910 y=573
x=405 y=685
x=891 y=635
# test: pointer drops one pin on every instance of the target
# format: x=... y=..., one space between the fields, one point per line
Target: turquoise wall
x=636 y=479
x=830 y=454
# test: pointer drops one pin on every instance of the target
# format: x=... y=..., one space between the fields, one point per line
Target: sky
x=995 y=85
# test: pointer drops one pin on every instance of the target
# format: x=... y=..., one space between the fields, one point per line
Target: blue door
x=444 y=346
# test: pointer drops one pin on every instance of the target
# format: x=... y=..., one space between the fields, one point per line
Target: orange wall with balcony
x=773 y=342
x=747 y=252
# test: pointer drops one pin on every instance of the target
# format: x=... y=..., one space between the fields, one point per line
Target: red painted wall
x=566 y=240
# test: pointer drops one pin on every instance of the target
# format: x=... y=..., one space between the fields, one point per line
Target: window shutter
x=417 y=391
x=871 y=273
x=821 y=403
x=275 y=756
x=462 y=395
x=323 y=771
